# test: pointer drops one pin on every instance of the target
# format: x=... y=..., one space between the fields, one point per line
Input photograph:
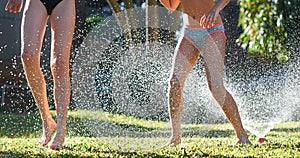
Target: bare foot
x=58 y=139
x=173 y=141
x=243 y=140
x=48 y=128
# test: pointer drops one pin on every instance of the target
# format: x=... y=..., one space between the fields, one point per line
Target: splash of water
x=267 y=99
x=110 y=75
x=259 y=129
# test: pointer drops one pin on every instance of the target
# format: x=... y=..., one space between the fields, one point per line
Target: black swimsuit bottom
x=50 y=5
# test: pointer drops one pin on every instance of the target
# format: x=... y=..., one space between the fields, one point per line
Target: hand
x=14 y=6
x=210 y=18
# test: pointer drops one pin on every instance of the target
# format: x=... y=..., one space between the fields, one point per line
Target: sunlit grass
x=127 y=136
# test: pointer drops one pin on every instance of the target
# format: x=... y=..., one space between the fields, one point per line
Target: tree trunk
x=114 y=5
x=138 y=3
x=151 y=21
x=121 y=18
x=177 y=18
x=131 y=18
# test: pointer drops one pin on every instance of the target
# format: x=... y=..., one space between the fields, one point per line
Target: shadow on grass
x=121 y=153
x=31 y=125
x=102 y=154
x=68 y=152
x=290 y=130
x=11 y=154
x=100 y=128
x=190 y=132
x=19 y=125
x=287 y=145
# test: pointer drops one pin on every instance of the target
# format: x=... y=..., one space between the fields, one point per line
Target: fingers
x=19 y=7
x=7 y=7
x=207 y=21
x=13 y=7
x=202 y=21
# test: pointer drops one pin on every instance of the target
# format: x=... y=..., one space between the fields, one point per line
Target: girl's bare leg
x=62 y=24
x=186 y=56
x=214 y=64
x=33 y=28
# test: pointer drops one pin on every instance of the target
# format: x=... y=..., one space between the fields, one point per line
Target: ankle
x=243 y=140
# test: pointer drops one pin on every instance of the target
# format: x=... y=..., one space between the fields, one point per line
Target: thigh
x=33 y=26
x=186 y=56
x=62 y=24
x=214 y=54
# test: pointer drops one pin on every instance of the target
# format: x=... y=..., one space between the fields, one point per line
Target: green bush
x=265 y=25
x=92 y=21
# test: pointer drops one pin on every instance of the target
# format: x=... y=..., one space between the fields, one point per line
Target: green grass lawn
x=101 y=134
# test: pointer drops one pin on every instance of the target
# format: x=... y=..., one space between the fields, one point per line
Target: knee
x=219 y=93
x=175 y=84
x=59 y=66
x=217 y=90
x=175 y=93
x=26 y=56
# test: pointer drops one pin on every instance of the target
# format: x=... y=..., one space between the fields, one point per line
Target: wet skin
x=201 y=14
x=62 y=20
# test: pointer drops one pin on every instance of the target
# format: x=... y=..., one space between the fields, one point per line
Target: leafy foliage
x=264 y=24
x=92 y=21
